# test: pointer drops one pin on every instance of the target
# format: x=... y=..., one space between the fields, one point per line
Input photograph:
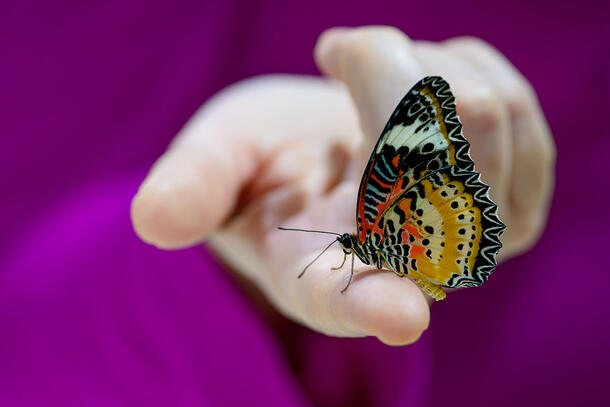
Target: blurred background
x=92 y=93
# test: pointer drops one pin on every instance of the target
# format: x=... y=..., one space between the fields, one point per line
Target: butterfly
x=422 y=209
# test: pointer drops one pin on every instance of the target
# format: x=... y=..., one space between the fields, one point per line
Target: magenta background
x=91 y=94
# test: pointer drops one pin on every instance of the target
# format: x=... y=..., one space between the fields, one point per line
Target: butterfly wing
x=422 y=135
x=445 y=228
x=421 y=202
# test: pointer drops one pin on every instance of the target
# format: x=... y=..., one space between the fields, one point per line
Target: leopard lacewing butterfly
x=422 y=208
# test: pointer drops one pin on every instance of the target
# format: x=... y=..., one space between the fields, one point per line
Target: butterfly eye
x=345 y=240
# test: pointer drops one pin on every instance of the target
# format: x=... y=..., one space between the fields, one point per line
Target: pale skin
x=289 y=151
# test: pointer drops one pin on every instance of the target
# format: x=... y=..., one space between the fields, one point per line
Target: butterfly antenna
x=317 y=257
x=312 y=231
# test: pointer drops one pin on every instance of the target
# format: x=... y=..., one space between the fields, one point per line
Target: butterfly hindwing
x=444 y=228
x=422 y=135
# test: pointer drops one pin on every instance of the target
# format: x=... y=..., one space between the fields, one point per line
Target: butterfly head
x=347 y=243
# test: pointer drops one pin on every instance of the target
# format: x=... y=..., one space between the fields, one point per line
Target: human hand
x=289 y=151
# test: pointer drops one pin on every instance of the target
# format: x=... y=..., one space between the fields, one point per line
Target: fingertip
x=408 y=326
x=325 y=49
x=401 y=341
x=177 y=205
x=156 y=221
x=391 y=308
x=340 y=50
x=408 y=319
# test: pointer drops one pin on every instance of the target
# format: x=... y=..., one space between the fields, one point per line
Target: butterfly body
x=367 y=252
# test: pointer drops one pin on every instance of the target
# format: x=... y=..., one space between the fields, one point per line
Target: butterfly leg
x=391 y=267
x=432 y=290
x=337 y=268
x=351 y=275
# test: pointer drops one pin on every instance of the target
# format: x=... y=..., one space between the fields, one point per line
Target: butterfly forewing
x=423 y=134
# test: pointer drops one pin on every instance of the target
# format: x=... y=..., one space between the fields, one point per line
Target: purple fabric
x=91 y=94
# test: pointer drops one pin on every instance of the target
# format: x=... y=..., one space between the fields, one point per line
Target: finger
x=532 y=145
x=378 y=66
x=376 y=303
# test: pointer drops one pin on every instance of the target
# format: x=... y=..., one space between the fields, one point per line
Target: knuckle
x=491 y=162
x=481 y=110
x=547 y=152
x=494 y=163
x=520 y=99
x=485 y=123
x=528 y=232
x=534 y=142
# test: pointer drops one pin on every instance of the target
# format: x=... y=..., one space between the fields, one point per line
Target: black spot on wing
x=402 y=217
x=428 y=147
